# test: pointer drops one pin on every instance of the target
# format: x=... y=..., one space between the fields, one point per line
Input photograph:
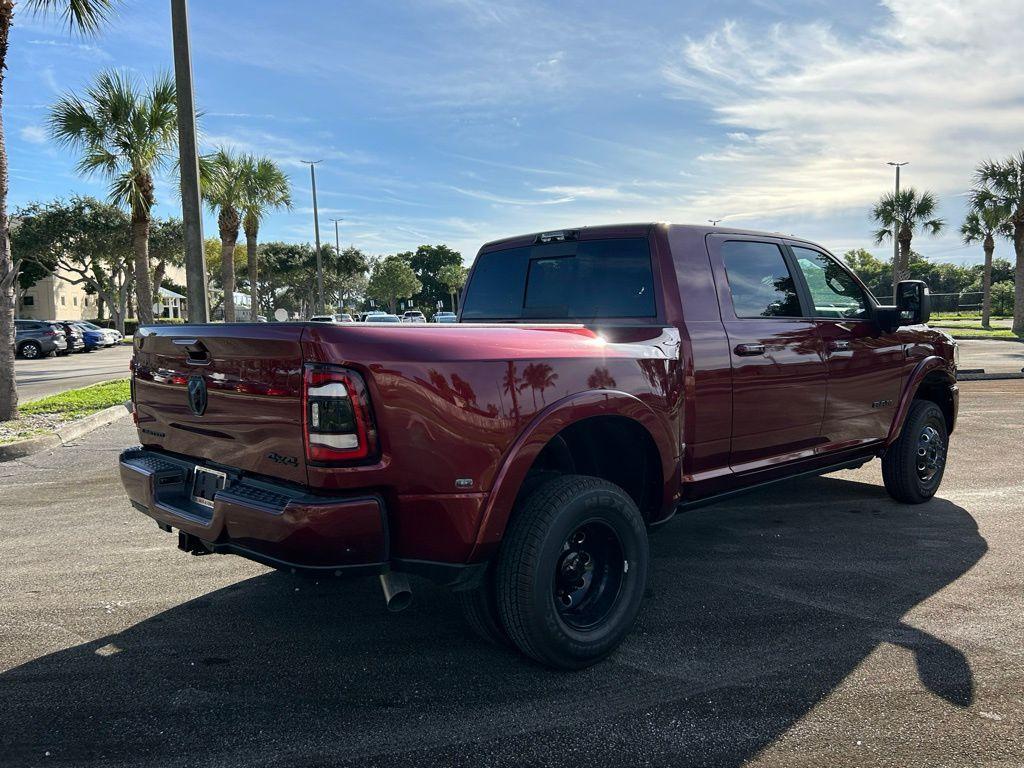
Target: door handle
x=748 y=350
x=839 y=345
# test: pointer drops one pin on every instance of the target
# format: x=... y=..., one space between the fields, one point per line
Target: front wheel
x=913 y=466
x=572 y=571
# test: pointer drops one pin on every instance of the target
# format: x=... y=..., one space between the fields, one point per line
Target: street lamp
x=188 y=157
x=895 y=226
x=337 y=249
x=316 y=233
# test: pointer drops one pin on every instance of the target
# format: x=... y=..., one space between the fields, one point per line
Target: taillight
x=336 y=415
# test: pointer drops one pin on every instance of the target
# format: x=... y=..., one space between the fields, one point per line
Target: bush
x=1002 y=298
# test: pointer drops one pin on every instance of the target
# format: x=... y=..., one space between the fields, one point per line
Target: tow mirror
x=913 y=306
x=913 y=303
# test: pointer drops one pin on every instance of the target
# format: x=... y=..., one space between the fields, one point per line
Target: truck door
x=778 y=365
x=865 y=363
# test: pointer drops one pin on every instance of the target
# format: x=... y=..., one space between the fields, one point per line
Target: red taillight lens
x=337 y=419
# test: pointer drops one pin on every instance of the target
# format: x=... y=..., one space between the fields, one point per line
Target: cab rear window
x=585 y=280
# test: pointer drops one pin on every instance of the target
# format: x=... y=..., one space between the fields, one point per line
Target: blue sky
x=459 y=121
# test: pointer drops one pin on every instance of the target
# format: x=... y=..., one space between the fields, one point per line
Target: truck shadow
x=757 y=610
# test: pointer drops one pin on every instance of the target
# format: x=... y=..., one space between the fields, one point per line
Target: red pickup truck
x=597 y=382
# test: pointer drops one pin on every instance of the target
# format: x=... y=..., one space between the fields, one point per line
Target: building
x=171 y=305
x=54 y=298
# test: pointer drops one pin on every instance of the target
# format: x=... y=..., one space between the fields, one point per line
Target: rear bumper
x=271 y=523
x=275 y=523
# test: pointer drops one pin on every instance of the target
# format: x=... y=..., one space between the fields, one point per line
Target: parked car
x=38 y=338
x=344 y=317
x=445 y=317
x=97 y=337
x=414 y=316
x=366 y=317
x=600 y=381
x=322 y=319
x=383 y=318
x=74 y=337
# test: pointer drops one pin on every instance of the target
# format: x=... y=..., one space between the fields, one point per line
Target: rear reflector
x=337 y=419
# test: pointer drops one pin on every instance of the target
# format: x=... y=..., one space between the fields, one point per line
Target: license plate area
x=205 y=484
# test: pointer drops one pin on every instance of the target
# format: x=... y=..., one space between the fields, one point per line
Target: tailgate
x=227 y=393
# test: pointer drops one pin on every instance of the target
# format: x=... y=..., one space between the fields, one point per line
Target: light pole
x=713 y=222
x=316 y=233
x=337 y=250
x=188 y=156
x=895 y=230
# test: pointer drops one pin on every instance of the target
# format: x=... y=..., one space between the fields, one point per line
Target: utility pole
x=191 y=203
x=337 y=252
x=316 y=233
x=895 y=229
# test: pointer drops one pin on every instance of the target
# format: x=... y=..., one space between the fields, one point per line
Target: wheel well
x=935 y=388
x=614 y=448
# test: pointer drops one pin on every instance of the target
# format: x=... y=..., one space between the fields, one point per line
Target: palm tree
x=452 y=277
x=222 y=190
x=900 y=216
x=264 y=187
x=128 y=132
x=984 y=222
x=1002 y=183
x=83 y=16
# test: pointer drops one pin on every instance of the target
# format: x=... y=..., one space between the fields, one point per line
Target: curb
x=989 y=376
x=979 y=338
x=64 y=435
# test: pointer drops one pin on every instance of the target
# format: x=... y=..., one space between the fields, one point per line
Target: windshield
x=563 y=281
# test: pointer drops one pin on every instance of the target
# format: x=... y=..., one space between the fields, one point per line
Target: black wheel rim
x=588 y=575
x=931 y=453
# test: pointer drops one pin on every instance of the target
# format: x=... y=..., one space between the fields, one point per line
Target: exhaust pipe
x=397 y=592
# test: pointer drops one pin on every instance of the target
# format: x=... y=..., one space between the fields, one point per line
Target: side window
x=759 y=280
x=834 y=292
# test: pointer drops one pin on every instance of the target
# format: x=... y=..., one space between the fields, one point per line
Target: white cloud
x=813 y=116
x=33 y=134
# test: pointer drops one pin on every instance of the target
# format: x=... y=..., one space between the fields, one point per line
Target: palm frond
x=84 y=16
x=882 y=235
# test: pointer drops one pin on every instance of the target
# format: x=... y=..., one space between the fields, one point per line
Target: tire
x=480 y=609
x=913 y=466
x=31 y=350
x=571 y=571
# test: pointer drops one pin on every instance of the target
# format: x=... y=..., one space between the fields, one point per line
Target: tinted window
x=759 y=280
x=572 y=281
x=834 y=292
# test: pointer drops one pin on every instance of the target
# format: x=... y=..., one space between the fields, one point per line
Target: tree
x=85 y=241
x=166 y=247
x=1001 y=183
x=900 y=216
x=427 y=261
x=222 y=190
x=452 y=277
x=986 y=220
x=84 y=16
x=265 y=187
x=215 y=268
x=126 y=131
x=393 y=279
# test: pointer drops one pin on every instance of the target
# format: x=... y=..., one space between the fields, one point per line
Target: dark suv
x=38 y=338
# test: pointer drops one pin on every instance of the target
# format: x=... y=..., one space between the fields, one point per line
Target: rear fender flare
x=541 y=429
x=917 y=376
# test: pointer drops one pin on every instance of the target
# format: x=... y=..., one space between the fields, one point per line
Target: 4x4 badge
x=197 y=395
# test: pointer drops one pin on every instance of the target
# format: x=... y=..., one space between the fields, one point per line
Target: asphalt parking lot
x=815 y=624
x=49 y=375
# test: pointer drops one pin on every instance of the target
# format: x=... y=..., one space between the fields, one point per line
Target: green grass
x=974 y=331
x=76 y=403
x=966 y=316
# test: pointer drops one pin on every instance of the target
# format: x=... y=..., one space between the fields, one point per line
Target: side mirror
x=913 y=303
x=913 y=306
